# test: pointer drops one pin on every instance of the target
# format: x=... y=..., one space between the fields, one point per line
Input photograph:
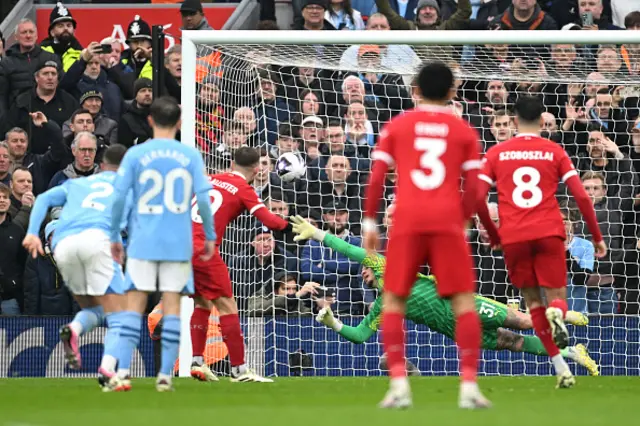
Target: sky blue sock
x=170 y=343
x=89 y=318
x=112 y=338
x=130 y=326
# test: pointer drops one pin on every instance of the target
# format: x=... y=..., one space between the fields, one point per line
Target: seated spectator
x=209 y=114
x=399 y=57
x=22 y=197
x=41 y=166
x=44 y=289
x=313 y=12
x=343 y=16
x=22 y=60
x=12 y=260
x=332 y=269
x=61 y=40
x=526 y=15
x=83 y=148
x=255 y=267
x=90 y=119
x=580 y=264
x=90 y=73
x=286 y=299
x=134 y=126
x=271 y=110
x=47 y=98
x=5 y=164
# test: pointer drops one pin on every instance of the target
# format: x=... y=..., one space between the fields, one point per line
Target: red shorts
x=211 y=278
x=448 y=257
x=536 y=263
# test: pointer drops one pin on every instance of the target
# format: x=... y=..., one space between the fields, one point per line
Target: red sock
x=543 y=330
x=468 y=339
x=232 y=337
x=393 y=343
x=560 y=304
x=199 y=326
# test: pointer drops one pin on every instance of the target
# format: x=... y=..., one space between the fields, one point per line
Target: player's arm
x=486 y=179
x=201 y=188
x=122 y=186
x=55 y=197
x=470 y=167
x=257 y=208
x=359 y=334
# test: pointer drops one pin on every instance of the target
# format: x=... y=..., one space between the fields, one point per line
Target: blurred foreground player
x=163 y=175
x=432 y=150
x=526 y=170
x=82 y=252
x=231 y=194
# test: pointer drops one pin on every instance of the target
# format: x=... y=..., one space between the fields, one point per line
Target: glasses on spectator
x=87 y=150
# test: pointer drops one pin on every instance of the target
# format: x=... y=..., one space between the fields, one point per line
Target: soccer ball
x=290 y=166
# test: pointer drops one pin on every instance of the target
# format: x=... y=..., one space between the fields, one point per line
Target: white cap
x=312 y=119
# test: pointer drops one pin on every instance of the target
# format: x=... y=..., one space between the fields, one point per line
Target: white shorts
x=86 y=264
x=150 y=276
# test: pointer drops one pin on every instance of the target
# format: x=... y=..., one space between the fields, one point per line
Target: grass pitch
x=518 y=401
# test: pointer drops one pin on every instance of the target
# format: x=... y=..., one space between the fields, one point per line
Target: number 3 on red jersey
x=216 y=202
x=432 y=150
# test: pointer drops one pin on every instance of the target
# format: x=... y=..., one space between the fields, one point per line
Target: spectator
x=353 y=91
x=92 y=73
x=277 y=204
x=22 y=198
x=406 y=9
x=44 y=289
x=565 y=62
x=343 y=16
x=12 y=259
x=595 y=83
x=84 y=148
x=112 y=59
x=20 y=63
x=209 y=114
x=255 y=267
x=271 y=110
x=41 y=166
x=47 y=98
x=359 y=129
x=313 y=12
x=332 y=269
x=286 y=298
x=526 y=15
x=596 y=10
x=608 y=62
x=427 y=16
x=312 y=134
x=62 y=41
x=173 y=62
x=337 y=145
x=393 y=56
x=137 y=58
x=134 y=126
x=264 y=178
x=5 y=164
x=626 y=13
x=247 y=118
x=580 y=264
x=309 y=83
x=286 y=142
x=89 y=119
x=502 y=128
x=193 y=16
x=233 y=137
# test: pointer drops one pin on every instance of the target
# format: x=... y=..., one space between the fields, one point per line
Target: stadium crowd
x=80 y=100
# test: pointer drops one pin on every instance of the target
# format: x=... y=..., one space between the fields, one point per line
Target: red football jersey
x=230 y=195
x=526 y=170
x=431 y=149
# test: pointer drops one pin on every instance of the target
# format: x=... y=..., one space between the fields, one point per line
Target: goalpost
x=245 y=87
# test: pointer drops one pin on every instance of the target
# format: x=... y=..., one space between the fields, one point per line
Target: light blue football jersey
x=163 y=175
x=86 y=204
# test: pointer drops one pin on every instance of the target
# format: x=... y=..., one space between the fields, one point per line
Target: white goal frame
x=189 y=57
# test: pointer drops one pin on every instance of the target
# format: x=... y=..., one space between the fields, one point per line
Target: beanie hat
x=321 y=3
x=60 y=14
x=428 y=3
x=191 y=6
x=90 y=94
x=142 y=83
x=138 y=30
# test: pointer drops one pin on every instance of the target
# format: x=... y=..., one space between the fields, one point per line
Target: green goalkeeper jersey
x=424 y=305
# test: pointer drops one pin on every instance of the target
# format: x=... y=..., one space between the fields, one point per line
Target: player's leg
x=450 y=261
x=551 y=274
x=405 y=254
x=175 y=279
x=203 y=278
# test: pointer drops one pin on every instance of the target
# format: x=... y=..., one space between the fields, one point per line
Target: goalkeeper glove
x=305 y=230
x=325 y=316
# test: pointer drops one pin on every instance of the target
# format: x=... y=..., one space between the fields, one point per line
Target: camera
x=587 y=19
x=324 y=292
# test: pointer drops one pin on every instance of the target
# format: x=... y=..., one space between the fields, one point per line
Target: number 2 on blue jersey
x=102 y=190
x=168 y=183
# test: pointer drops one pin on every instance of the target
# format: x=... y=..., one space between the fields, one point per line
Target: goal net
x=328 y=100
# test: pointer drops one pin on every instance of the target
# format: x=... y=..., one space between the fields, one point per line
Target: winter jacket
x=16 y=72
x=409 y=14
x=70 y=172
x=67 y=53
x=58 y=109
x=76 y=83
x=44 y=289
x=19 y=213
x=134 y=127
x=12 y=260
x=265 y=303
x=340 y=22
x=458 y=21
x=538 y=21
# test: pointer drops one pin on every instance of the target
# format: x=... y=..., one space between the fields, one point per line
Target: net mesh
x=329 y=102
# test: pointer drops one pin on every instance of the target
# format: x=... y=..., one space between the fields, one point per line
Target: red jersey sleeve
x=382 y=158
x=565 y=166
x=257 y=208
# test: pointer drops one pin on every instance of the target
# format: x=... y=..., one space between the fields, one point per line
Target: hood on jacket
x=71 y=173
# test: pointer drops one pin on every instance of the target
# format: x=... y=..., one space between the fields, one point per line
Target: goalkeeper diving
x=424 y=306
